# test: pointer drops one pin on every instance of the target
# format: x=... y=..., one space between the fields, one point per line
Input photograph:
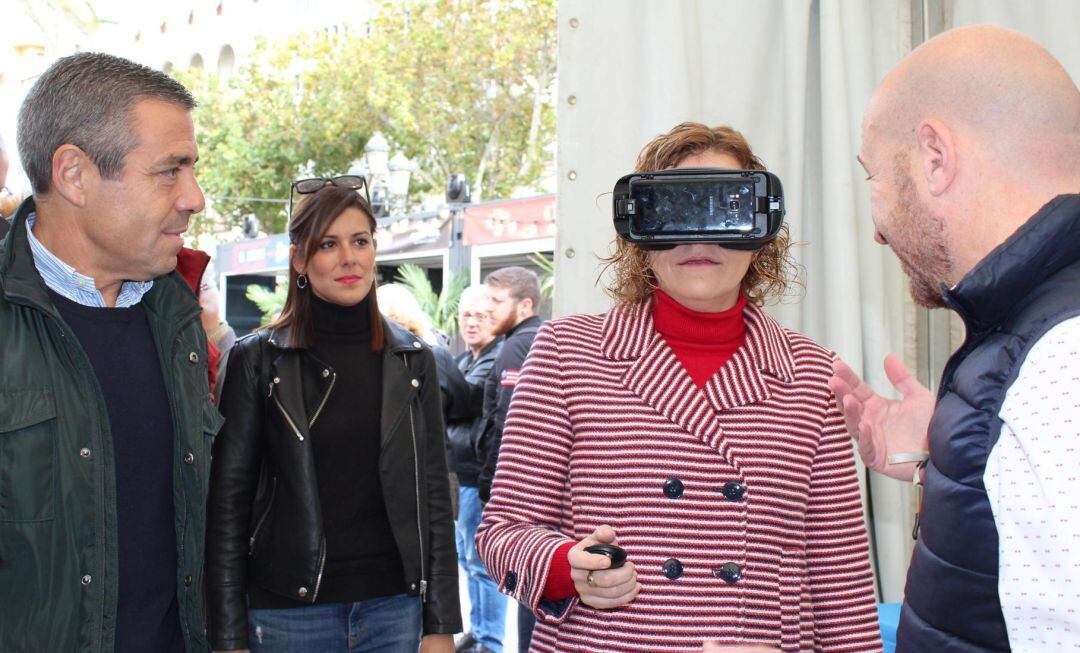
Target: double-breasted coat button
x=193 y=357
x=187 y=581
x=733 y=491
x=84 y=452
x=673 y=569
x=189 y=458
x=302 y=592
x=730 y=572
x=415 y=383
x=511 y=581
x=416 y=344
x=673 y=488
x=86 y=579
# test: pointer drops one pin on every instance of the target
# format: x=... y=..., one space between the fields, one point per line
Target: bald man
x=972 y=150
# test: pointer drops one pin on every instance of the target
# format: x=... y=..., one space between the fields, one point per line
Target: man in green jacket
x=106 y=422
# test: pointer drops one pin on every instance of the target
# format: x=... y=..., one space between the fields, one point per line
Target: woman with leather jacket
x=329 y=525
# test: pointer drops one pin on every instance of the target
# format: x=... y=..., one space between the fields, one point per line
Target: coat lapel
x=660 y=380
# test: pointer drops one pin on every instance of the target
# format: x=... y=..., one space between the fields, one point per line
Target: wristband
x=910 y=457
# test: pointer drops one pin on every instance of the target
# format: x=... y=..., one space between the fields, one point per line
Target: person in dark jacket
x=329 y=522
x=105 y=413
x=972 y=146
x=487 y=617
x=399 y=305
x=191 y=265
x=513 y=299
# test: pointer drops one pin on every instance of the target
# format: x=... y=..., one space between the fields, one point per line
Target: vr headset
x=737 y=209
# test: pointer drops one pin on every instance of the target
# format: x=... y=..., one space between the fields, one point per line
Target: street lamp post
x=401 y=169
x=457 y=196
x=388 y=179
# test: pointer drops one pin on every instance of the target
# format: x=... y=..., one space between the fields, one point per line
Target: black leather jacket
x=264 y=523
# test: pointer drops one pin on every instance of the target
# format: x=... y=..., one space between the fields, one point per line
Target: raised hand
x=882 y=427
x=597 y=585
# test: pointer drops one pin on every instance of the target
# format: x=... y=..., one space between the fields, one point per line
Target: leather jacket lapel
x=287 y=390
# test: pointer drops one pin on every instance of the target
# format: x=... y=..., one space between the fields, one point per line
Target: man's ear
x=526 y=307
x=937 y=155
x=73 y=174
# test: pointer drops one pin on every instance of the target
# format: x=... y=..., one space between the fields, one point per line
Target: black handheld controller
x=614 y=553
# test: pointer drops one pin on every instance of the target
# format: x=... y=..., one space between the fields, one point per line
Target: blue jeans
x=487 y=618
x=390 y=624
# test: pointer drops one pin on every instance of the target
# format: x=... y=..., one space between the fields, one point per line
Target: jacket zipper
x=416 y=467
x=333 y=380
x=322 y=564
x=318 y=411
x=300 y=437
x=262 y=518
x=288 y=419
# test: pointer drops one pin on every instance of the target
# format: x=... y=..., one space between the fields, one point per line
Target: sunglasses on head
x=315 y=184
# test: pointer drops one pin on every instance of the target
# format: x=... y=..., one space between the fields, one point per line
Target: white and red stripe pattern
x=604 y=414
x=510 y=377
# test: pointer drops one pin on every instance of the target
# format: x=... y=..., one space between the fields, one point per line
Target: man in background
x=487 y=616
x=513 y=295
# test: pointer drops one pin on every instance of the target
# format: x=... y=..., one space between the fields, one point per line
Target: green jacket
x=58 y=534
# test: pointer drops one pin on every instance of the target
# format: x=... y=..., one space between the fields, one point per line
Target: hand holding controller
x=602 y=584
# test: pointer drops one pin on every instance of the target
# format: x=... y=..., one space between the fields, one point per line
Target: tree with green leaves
x=457 y=85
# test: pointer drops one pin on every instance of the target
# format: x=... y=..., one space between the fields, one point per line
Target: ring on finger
x=589 y=580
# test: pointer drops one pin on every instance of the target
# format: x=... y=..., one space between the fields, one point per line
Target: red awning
x=511 y=220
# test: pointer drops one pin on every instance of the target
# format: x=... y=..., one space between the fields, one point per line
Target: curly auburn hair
x=771 y=268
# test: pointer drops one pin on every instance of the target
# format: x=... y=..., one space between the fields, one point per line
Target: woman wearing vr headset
x=697 y=437
x=328 y=523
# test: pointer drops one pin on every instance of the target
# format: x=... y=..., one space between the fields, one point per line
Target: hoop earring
x=301 y=281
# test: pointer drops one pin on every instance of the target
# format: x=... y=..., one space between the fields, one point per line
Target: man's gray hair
x=473 y=293
x=86 y=100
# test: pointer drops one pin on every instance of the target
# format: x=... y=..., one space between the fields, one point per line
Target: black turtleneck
x=362 y=559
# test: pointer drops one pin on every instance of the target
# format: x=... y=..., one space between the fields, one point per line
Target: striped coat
x=756 y=469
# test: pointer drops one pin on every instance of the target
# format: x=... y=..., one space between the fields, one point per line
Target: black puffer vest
x=1021 y=290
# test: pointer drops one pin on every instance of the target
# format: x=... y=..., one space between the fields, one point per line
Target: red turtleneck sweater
x=703 y=343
